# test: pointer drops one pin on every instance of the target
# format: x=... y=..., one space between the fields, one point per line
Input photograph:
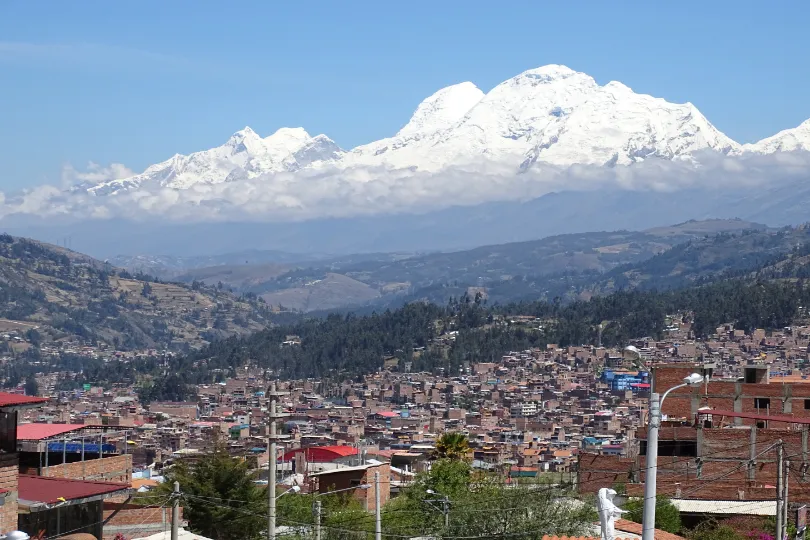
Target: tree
x=147 y=290
x=712 y=530
x=221 y=498
x=452 y=446
x=34 y=337
x=482 y=505
x=31 y=386
x=667 y=515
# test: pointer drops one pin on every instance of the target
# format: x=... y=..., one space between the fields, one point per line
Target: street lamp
x=445 y=505
x=633 y=352
x=648 y=517
x=294 y=489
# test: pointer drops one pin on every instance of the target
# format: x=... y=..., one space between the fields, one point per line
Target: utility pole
x=316 y=509
x=651 y=476
x=446 y=508
x=176 y=511
x=272 y=415
x=377 y=515
x=785 y=504
x=780 y=486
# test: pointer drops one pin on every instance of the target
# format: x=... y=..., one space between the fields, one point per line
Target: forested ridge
x=442 y=338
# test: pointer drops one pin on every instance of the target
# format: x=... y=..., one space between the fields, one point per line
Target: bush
x=667 y=515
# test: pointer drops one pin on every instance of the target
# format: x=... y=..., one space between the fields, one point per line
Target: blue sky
x=135 y=82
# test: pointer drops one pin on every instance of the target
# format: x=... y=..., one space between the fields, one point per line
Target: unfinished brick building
x=718 y=441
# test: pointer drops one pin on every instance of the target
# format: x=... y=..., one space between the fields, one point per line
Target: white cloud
x=94 y=174
x=95 y=55
x=331 y=192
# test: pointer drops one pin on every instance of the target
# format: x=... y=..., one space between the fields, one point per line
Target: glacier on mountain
x=244 y=155
x=789 y=140
x=552 y=115
x=549 y=129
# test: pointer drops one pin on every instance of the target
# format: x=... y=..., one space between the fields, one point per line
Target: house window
x=807 y=404
x=762 y=403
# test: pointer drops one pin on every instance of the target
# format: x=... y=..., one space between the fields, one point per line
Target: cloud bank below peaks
x=328 y=192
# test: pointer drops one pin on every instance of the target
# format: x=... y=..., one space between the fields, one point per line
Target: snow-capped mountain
x=244 y=155
x=551 y=115
x=789 y=140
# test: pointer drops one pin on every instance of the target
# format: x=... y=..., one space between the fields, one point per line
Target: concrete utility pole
x=176 y=511
x=785 y=504
x=273 y=415
x=651 y=476
x=316 y=509
x=780 y=486
x=377 y=514
x=650 y=480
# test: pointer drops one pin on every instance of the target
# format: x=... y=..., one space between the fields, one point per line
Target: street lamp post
x=648 y=517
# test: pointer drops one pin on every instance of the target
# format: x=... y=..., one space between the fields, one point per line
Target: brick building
x=718 y=441
x=359 y=480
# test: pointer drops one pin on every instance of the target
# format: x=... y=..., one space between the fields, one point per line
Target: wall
x=343 y=479
x=784 y=399
x=136 y=521
x=108 y=469
x=727 y=460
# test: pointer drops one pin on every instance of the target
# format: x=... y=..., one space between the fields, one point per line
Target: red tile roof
x=16 y=400
x=37 y=432
x=43 y=489
x=624 y=525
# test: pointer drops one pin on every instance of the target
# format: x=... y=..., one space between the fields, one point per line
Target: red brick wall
x=136 y=521
x=108 y=469
x=788 y=399
x=597 y=471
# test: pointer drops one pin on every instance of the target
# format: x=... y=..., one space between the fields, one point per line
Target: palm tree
x=453 y=446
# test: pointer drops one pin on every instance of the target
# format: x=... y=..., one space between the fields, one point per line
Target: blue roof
x=76 y=448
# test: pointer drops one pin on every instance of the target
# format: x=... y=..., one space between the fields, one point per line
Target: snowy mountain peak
x=244 y=155
x=289 y=138
x=549 y=116
x=789 y=140
x=551 y=72
x=245 y=132
x=442 y=109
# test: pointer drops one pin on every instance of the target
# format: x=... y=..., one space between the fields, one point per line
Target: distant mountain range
x=547 y=152
x=505 y=272
x=549 y=115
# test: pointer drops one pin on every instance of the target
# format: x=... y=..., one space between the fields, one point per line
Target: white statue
x=608 y=512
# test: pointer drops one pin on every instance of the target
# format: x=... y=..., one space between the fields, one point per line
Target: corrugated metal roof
x=16 y=400
x=37 y=432
x=756 y=508
x=43 y=489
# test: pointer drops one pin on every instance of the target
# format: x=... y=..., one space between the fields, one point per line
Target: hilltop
x=48 y=293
